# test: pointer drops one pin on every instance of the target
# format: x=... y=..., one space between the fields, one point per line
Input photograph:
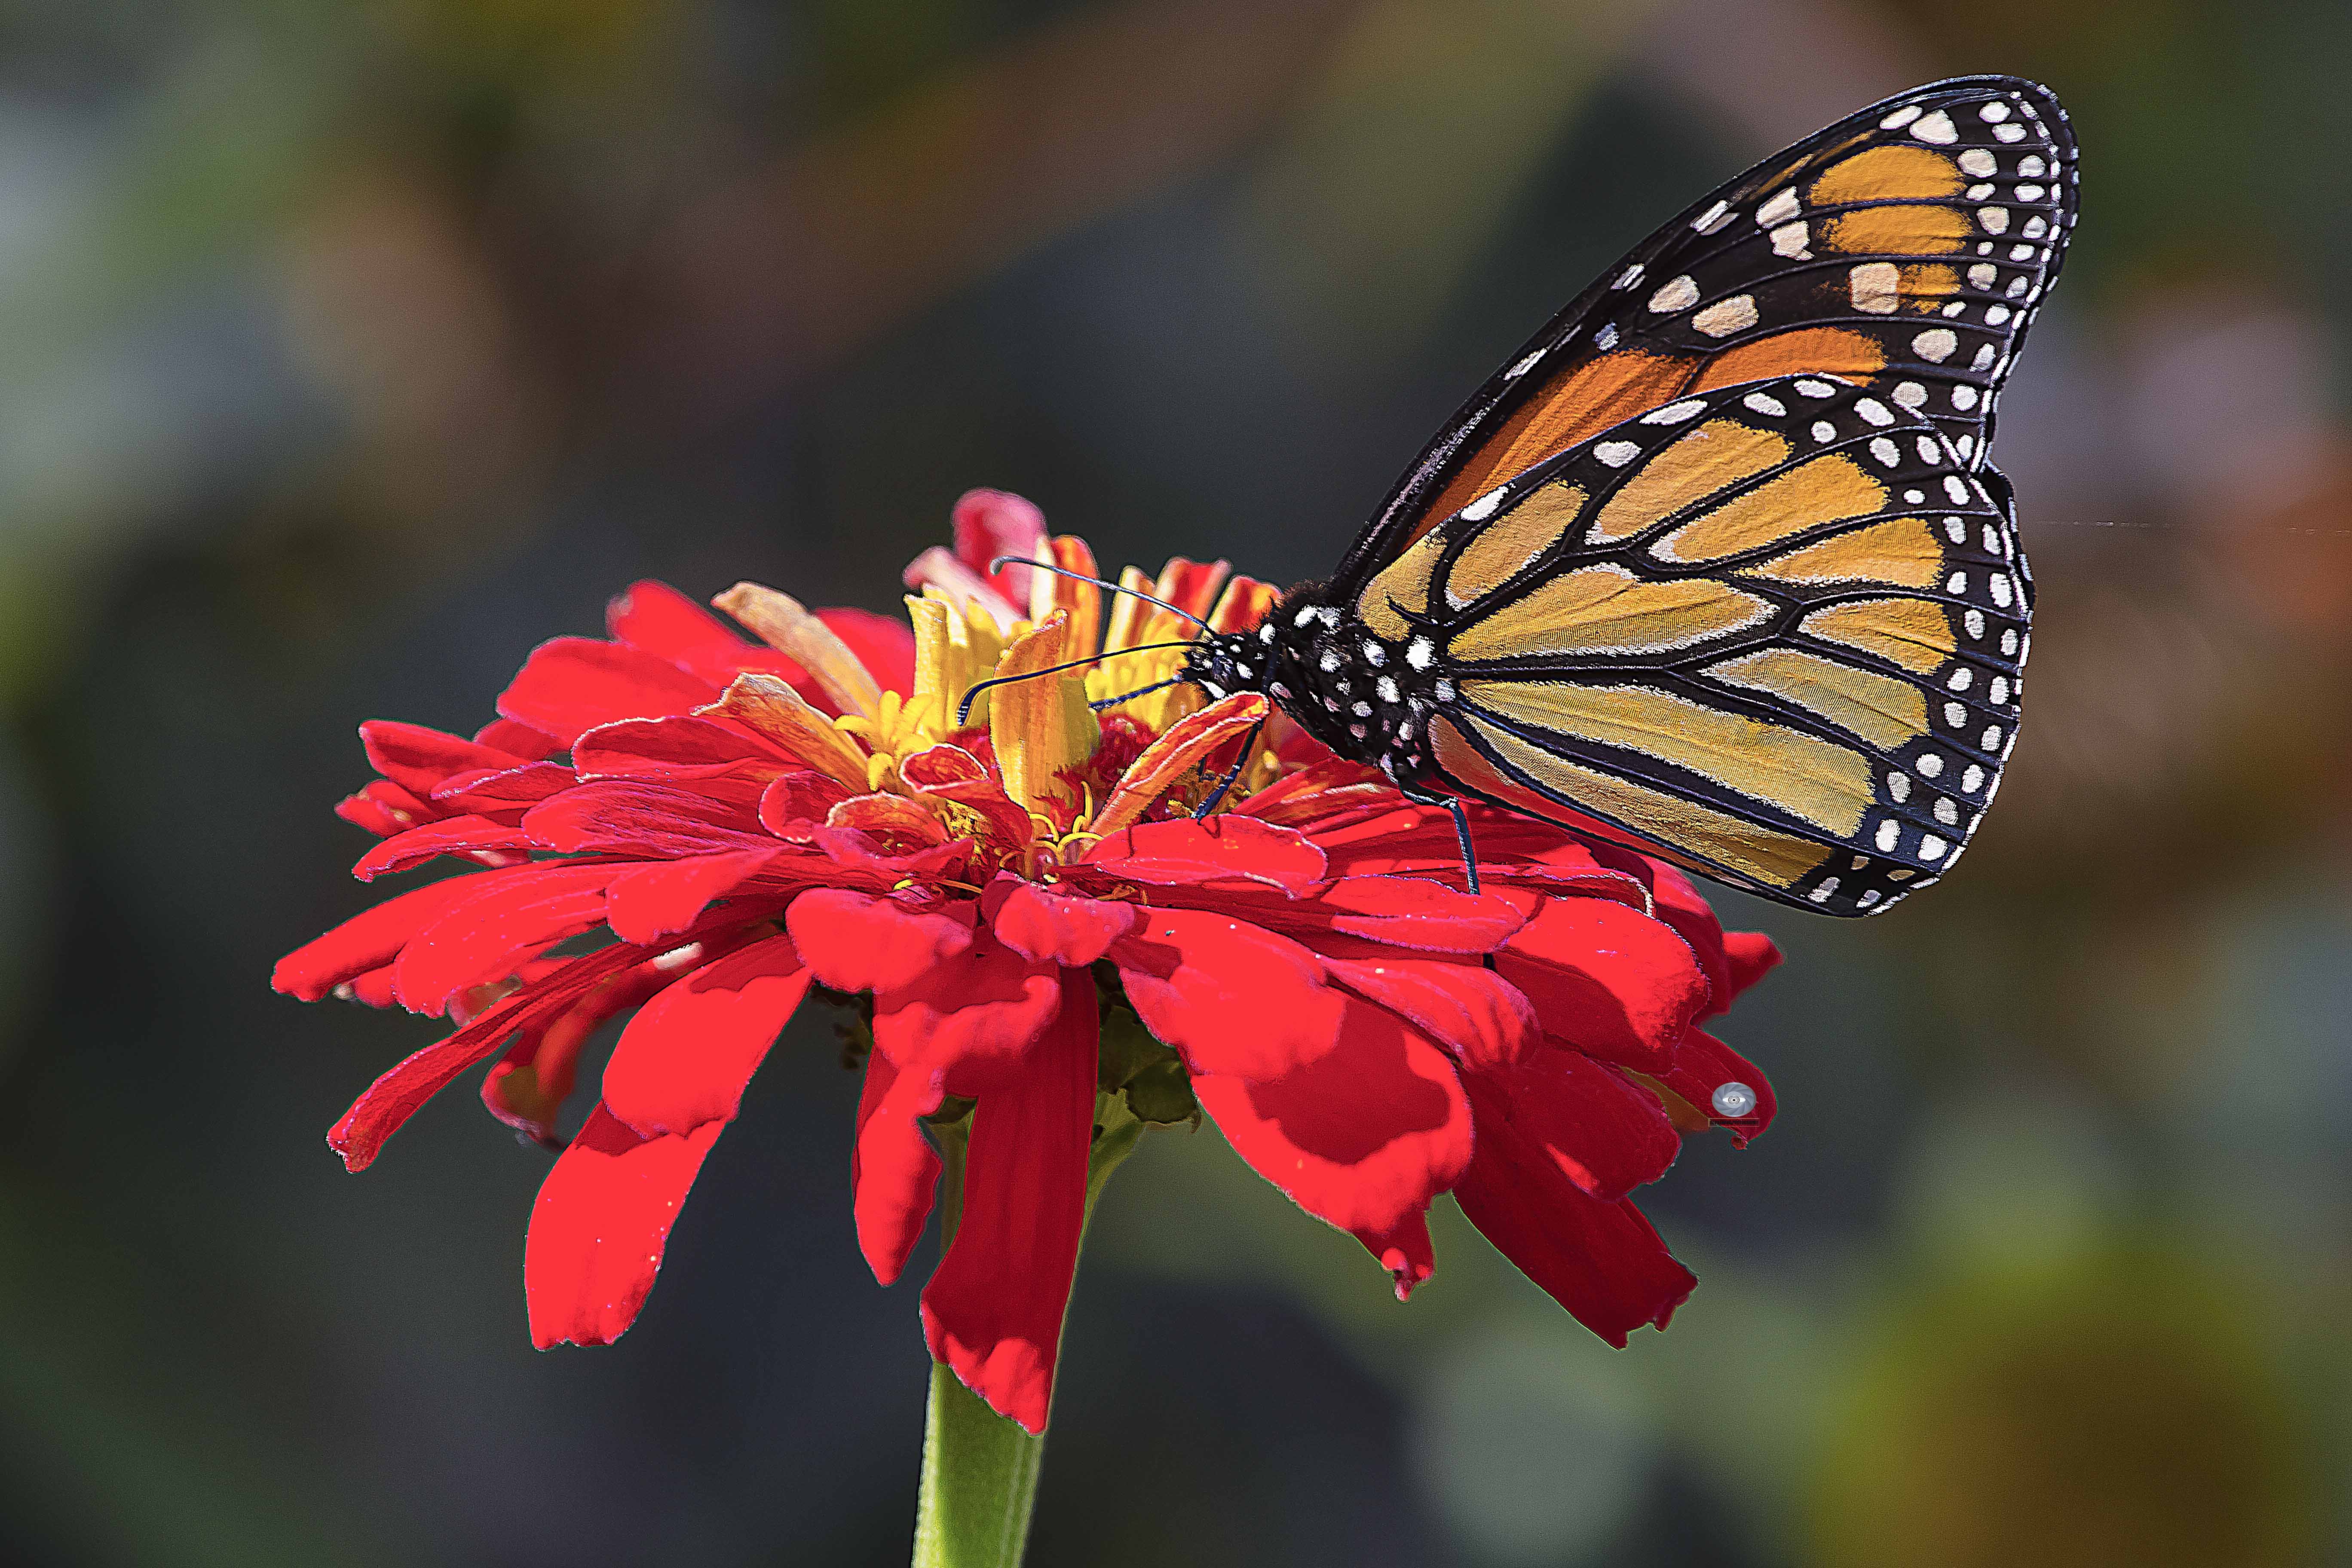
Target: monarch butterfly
x=1716 y=566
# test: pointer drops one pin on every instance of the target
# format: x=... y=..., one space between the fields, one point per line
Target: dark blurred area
x=351 y=350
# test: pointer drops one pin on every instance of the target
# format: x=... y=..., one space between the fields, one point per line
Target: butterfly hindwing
x=1774 y=630
x=1903 y=250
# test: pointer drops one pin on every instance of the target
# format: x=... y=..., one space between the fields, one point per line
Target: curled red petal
x=686 y=1058
x=1361 y=1138
x=993 y=1310
x=519 y=740
x=417 y=758
x=645 y=903
x=990 y=524
x=1600 y=1260
x=600 y=1224
x=503 y=796
x=1476 y=1013
x=483 y=936
x=383 y=808
x=1600 y=1129
x=571 y=685
x=1049 y=927
x=396 y=1096
x=797 y=801
x=1703 y=1065
x=1747 y=956
x=371 y=938
x=857 y=942
x=678 y=748
x=450 y=835
x=1224 y=848
x=526 y=1088
x=893 y=1170
x=1230 y=998
x=1399 y=911
x=1607 y=979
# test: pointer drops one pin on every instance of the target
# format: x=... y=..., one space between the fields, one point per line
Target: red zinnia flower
x=683 y=824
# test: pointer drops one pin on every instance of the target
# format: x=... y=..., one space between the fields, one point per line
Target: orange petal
x=1041 y=728
x=771 y=708
x=895 y=820
x=783 y=622
x=1167 y=758
x=1245 y=603
x=1050 y=590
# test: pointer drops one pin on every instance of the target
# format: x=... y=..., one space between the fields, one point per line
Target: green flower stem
x=980 y=1470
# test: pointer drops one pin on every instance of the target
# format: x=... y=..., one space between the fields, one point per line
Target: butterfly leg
x=1452 y=802
x=1232 y=773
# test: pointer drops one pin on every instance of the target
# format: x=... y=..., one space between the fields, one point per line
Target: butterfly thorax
x=1366 y=696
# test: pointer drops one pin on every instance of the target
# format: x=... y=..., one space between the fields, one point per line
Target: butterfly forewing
x=1774 y=630
x=1904 y=250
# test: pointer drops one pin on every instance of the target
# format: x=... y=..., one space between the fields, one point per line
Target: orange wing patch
x=1903 y=550
x=1888 y=174
x=1578 y=403
x=1821 y=490
x=1711 y=459
x=1816 y=351
x=1914 y=633
x=1607 y=609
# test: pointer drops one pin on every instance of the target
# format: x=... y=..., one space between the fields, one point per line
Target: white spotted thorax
x=1366 y=696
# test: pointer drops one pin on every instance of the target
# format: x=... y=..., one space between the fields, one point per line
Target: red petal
x=1609 y=980
x=1046 y=927
x=893 y=1171
x=989 y=523
x=417 y=758
x=676 y=749
x=1400 y=911
x=383 y=808
x=974 y=1015
x=993 y=1310
x=1466 y=1007
x=1600 y=1260
x=504 y=796
x=1362 y=1139
x=856 y=941
x=646 y=903
x=395 y=1097
x=517 y=740
x=373 y=989
x=482 y=938
x=450 y=835
x=685 y=1058
x=798 y=801
x=571 y=685
x=652 y=821
x=526 y=1089
x=1604 y=1132
x=1748 y=956
x=1223 y=848
x=1230 y=998
x=884 y=645
x=1704 y=1064
x=598 y=1229
x=371 y=938
x=661 y=621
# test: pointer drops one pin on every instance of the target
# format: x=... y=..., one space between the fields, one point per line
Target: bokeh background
x=348 y=350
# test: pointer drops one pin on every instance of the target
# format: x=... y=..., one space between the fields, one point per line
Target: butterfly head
x=1366 y=696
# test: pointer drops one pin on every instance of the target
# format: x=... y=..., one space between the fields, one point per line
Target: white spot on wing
x=1937 y=128
x=1900 y=118
x=1935 y=344
x=1675 y=294
x=1725 y=316
x=1778 y=210
x=1484 y=507
x=1978 y=161
x=1616 y=454
x=1675 y=413
x=1765 y=403
x=1876 y=287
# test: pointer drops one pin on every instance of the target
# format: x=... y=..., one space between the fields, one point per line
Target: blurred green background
x=350 y=349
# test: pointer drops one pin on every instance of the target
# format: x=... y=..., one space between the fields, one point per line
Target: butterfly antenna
x=963 y=709
x=1001 y=562
x=1138 y=691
